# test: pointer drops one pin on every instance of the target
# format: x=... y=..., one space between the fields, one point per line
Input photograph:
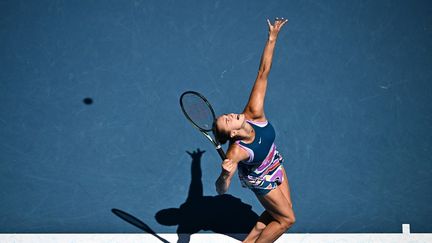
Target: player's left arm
x=235 y=154
x=255 y=106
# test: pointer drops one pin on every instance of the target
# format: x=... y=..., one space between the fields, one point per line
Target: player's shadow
x=222 y=214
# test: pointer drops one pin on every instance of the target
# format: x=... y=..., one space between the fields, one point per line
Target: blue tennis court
x=90 y=120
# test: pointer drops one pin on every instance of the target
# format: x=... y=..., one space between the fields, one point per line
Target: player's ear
x=233 y=133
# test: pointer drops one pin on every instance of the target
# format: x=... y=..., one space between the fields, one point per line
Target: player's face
x=229 y=122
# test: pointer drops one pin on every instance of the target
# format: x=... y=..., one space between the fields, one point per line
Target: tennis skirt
x=263 y=178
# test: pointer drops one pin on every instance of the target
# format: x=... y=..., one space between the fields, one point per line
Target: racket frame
x=205 y=132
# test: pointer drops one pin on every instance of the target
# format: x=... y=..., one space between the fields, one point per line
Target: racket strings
x=198 y=111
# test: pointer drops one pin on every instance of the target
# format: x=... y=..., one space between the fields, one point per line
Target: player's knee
x=292 y=220
x=288 y=222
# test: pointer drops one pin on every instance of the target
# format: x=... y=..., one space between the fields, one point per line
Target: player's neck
x=247 y=133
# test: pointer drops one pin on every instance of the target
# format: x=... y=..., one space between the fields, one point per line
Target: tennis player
x=252 y=151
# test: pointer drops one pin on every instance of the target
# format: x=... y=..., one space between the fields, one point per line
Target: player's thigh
x=284 y=186
x=277 y=205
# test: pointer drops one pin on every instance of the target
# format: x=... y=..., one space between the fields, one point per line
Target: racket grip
x=221 y=152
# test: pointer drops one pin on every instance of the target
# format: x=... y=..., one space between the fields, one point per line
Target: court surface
x=90 y=122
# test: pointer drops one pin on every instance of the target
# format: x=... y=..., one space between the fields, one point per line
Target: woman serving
x=252 y=151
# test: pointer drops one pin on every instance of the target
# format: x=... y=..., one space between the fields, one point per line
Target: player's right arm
x=229 y=166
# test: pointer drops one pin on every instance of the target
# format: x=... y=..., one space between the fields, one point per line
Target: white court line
x=214 y=238
x=405 y=237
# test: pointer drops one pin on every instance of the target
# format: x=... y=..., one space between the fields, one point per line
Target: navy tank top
x=262 y=145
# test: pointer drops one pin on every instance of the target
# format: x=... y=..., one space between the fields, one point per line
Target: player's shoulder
x=235 y=152
x=252 y=118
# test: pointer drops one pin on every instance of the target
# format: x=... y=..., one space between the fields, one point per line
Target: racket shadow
x=136 y=222
x=224 y=214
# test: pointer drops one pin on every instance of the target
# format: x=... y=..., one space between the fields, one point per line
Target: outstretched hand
x=196 y=154
x=275 y=27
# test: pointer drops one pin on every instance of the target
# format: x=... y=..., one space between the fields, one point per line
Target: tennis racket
x=200 y=113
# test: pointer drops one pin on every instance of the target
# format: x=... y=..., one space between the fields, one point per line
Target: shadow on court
x=136 y=222
x=222 y=214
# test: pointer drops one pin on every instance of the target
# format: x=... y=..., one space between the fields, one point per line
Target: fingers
x=284 y=22
x=199 y=151
x=228 y=165
x=276 y=27
x=278 y=23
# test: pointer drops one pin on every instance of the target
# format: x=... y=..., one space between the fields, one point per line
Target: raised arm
x=255 y=107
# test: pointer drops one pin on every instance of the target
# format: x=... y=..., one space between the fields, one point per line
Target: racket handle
x=221 y=152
